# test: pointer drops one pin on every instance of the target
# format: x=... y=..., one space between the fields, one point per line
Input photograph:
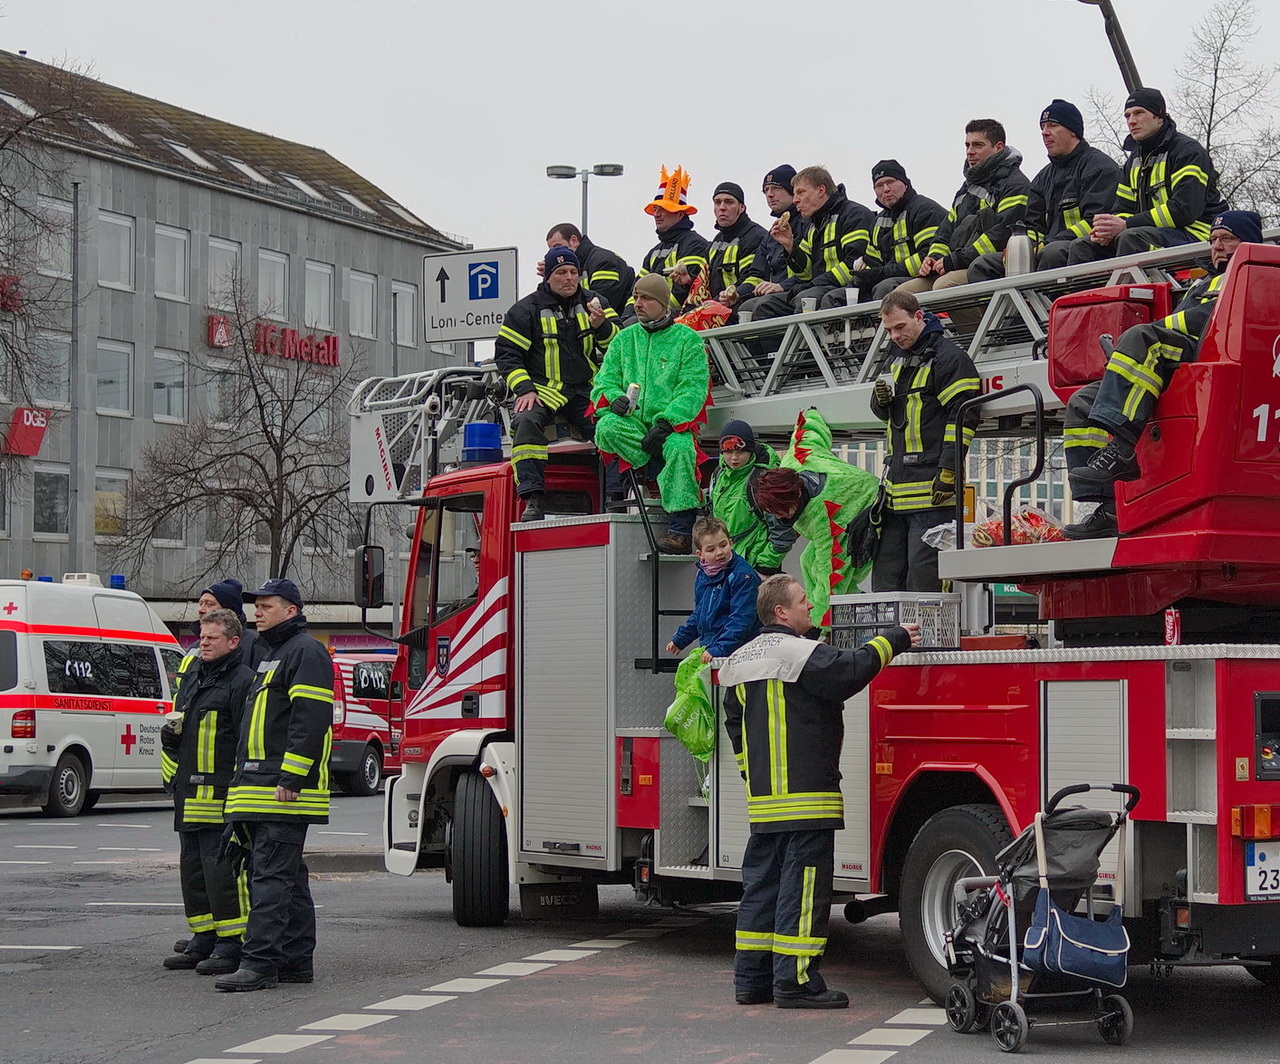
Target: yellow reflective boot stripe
x=1085 y=436
x=758 y=941
x=232 y=928
x=200 y=922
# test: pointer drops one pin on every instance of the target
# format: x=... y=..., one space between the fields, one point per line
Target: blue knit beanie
x=1247 y=225
x=1065 y=114
x=559 y=256
x=229 y=593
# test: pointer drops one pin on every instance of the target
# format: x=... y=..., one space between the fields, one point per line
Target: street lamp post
x=599 y=170
x=1119 y=46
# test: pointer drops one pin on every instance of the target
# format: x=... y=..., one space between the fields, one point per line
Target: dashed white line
x=413 y=1002
x=515 y=968
x=354 y=834
x=41 y=846
x=139 y=826
x=345 y=1021
x=601 y=943
x=99 y=862
x=224 y=1060
x=462 y=986
x=26 y=862
x=934 y=1015
x=43 y=948
x=281 y=1043
x=561 y=955
x=855 y=1056
x=130 y=849
x=889 y=1036
x=134 y=904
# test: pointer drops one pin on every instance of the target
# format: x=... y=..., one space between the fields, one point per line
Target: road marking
x=355 y=834
x=41 y=846
x=122 y=825
x=43 y=948
x=130 y=849
x=933 y=1015
x=601 y=943
x=462 y=986
x=515 y=968
x=412 y=1002
x=888 y=1036
x=26 y=862
x=561 y=955
x=345 y=1021
x=224 y=1060
x=99 y=862
x=854 y=1056
x=280 y=1043
x=128 y=904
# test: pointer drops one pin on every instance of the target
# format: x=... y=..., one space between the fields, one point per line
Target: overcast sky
x=456 y=109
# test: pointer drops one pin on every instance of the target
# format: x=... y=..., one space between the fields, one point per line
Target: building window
x=53 y=237
x=192 y=156
x=52 y=381
x=169 y=388
x=404 y=299
x=169 y=531
x=224 y=272
x=51 y=500
x=363 y=300
x=108 y=503
x=172 y=274
x=273 y=285
x=319 y=308
x=220 y=388
x=115 y=377
x=250 y=172
x=302 y=186
x=115 y=251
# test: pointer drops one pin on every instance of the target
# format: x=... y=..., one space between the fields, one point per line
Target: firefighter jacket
x=678 y=246
x=929 y=383
x=749 y=529
x=724 y=609
x=774 y=252
x=992 y=200
x=1191 y=315
x=834 y=240
x=1169 y=182
x=784 y=713
x=605 y=274
x=547 y=345
x=734 y=258
x=287 y=732
x=197 y=763
x=901 y=237
x=1067 y=193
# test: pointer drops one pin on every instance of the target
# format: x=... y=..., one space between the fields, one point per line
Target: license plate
x=1262 y=870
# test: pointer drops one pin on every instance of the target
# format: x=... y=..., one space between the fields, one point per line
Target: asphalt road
x=90 y=907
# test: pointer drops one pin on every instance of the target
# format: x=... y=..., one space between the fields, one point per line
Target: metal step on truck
x=534 y=690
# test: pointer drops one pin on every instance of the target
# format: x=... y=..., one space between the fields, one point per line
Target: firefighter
x=226 y=594
x=603 y=271
x=992 y=200
x=281 y=785
x=678 y=245
x=548 y=349
x=667 y=362
x=784 y=714
x=902 y=234
x=196 y=761
x=1168 y=192
x=1138 y=370
x=735 y=263
x=931 y=378
x=1078 y=184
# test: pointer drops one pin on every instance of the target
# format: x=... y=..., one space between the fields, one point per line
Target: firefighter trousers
x=1130 y=242
x=282 y=918
x=1138 y=371
x=1081 y=440
x=904 y=561
x=786 y=905
x=529 y=438
x=216 y=900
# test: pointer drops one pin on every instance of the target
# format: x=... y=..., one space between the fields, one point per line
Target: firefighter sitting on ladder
x=548 y=350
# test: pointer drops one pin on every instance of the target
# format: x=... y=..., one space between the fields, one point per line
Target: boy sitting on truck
x=724 y=595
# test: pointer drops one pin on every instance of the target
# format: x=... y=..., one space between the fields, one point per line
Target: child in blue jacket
x=724 y=595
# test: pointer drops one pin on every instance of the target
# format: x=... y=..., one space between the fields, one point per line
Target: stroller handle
x=1081 y=788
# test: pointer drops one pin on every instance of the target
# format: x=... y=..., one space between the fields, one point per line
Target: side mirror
x=370 y=577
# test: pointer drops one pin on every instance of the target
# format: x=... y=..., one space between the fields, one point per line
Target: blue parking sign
x=482 y=280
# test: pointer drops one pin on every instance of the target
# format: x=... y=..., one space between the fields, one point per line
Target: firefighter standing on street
x=280 y=786
x=784 y=713
x=548 y=349
x=197 y=757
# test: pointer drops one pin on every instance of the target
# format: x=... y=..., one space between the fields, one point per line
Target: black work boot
x=675 y=543
x=762 y=996
x=184 y=960
x=224 y=961
x=1116 y=461
x=243 y=979
x=1101 y=524
x=822 y=999
x=534 y=506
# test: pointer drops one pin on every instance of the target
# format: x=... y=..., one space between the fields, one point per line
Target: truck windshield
x=447 y=577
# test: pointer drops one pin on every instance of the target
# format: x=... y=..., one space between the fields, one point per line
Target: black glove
x=944 y=488
x=621 y=406
x=169 y=739
x=767 y=570
x=234 y=847
x=883 y=392
x=655 y=437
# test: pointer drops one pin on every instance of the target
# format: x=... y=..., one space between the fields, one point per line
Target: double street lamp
x=599 y=170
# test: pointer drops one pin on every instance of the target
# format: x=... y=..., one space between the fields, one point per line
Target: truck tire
x=68 y=788
x=479 y=859
x=957 y=842
x=364 y=781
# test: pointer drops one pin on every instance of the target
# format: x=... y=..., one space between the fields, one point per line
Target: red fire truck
x=534 y=751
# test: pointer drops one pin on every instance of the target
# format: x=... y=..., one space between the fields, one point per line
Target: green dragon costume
x=731 y=502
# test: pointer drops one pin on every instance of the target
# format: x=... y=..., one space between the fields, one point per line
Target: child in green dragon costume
x=742 y=460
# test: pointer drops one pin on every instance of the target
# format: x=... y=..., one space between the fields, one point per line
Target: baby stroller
x=1041 y=877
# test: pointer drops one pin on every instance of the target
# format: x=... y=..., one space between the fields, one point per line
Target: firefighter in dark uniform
x=226 y=594
x=735 y=259
x=931 y=378
x=784 y=713
x=281 y=785
x=601 y=271
x=197 y=758
x=548 y=349
x=678 y=244
x=1104 y=420
x=902 y=234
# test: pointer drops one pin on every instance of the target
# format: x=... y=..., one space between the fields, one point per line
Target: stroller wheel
x=1115 y=1020
x=962 y=1008
x=1009 y=1026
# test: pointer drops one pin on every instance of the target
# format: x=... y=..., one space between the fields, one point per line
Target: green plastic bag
x=691 y=718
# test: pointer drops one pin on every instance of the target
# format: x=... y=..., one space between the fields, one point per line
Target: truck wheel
x=68 y=788
x=479 y=855
x=364 y=781
x=958 y=842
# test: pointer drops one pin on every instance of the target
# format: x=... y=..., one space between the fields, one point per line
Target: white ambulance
x=86 y=676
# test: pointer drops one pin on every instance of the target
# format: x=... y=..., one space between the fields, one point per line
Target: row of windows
x=172 y=274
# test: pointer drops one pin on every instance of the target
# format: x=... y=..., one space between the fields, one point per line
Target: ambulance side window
x=130 y=671
x=172 y=659
x=71 y=667
x=8 y=661
x=114 y=670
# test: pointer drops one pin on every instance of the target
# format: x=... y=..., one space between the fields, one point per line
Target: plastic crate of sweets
x=856 y=618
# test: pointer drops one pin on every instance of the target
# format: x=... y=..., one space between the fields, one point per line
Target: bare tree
x=261 y=466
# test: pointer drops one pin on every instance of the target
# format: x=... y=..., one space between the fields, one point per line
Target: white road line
x=889 y=1036
x=135 y=904
x=355 y=834
x=515 y=968
x=99 y=862
x=26 y=862
x=43 y=948
x=601 y=943
x=41 y=846
x=462 y=986
x=413 y=1002
x=122 y=825
x=854 y=1056
x=281 y=1043
x=224 y=1060
x=130 y=849
x=345 y=1021
x=561 y=955
x=933 y=1015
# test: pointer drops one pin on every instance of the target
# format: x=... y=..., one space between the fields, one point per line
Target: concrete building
x=169 y=206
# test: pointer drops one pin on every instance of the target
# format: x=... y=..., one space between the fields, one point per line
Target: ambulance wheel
x=955 y=843
x=962 y=1008
x=364 y=781
x=1009 y=1026
x=1115 y=1020
x=479 y=855
x=68 y=788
